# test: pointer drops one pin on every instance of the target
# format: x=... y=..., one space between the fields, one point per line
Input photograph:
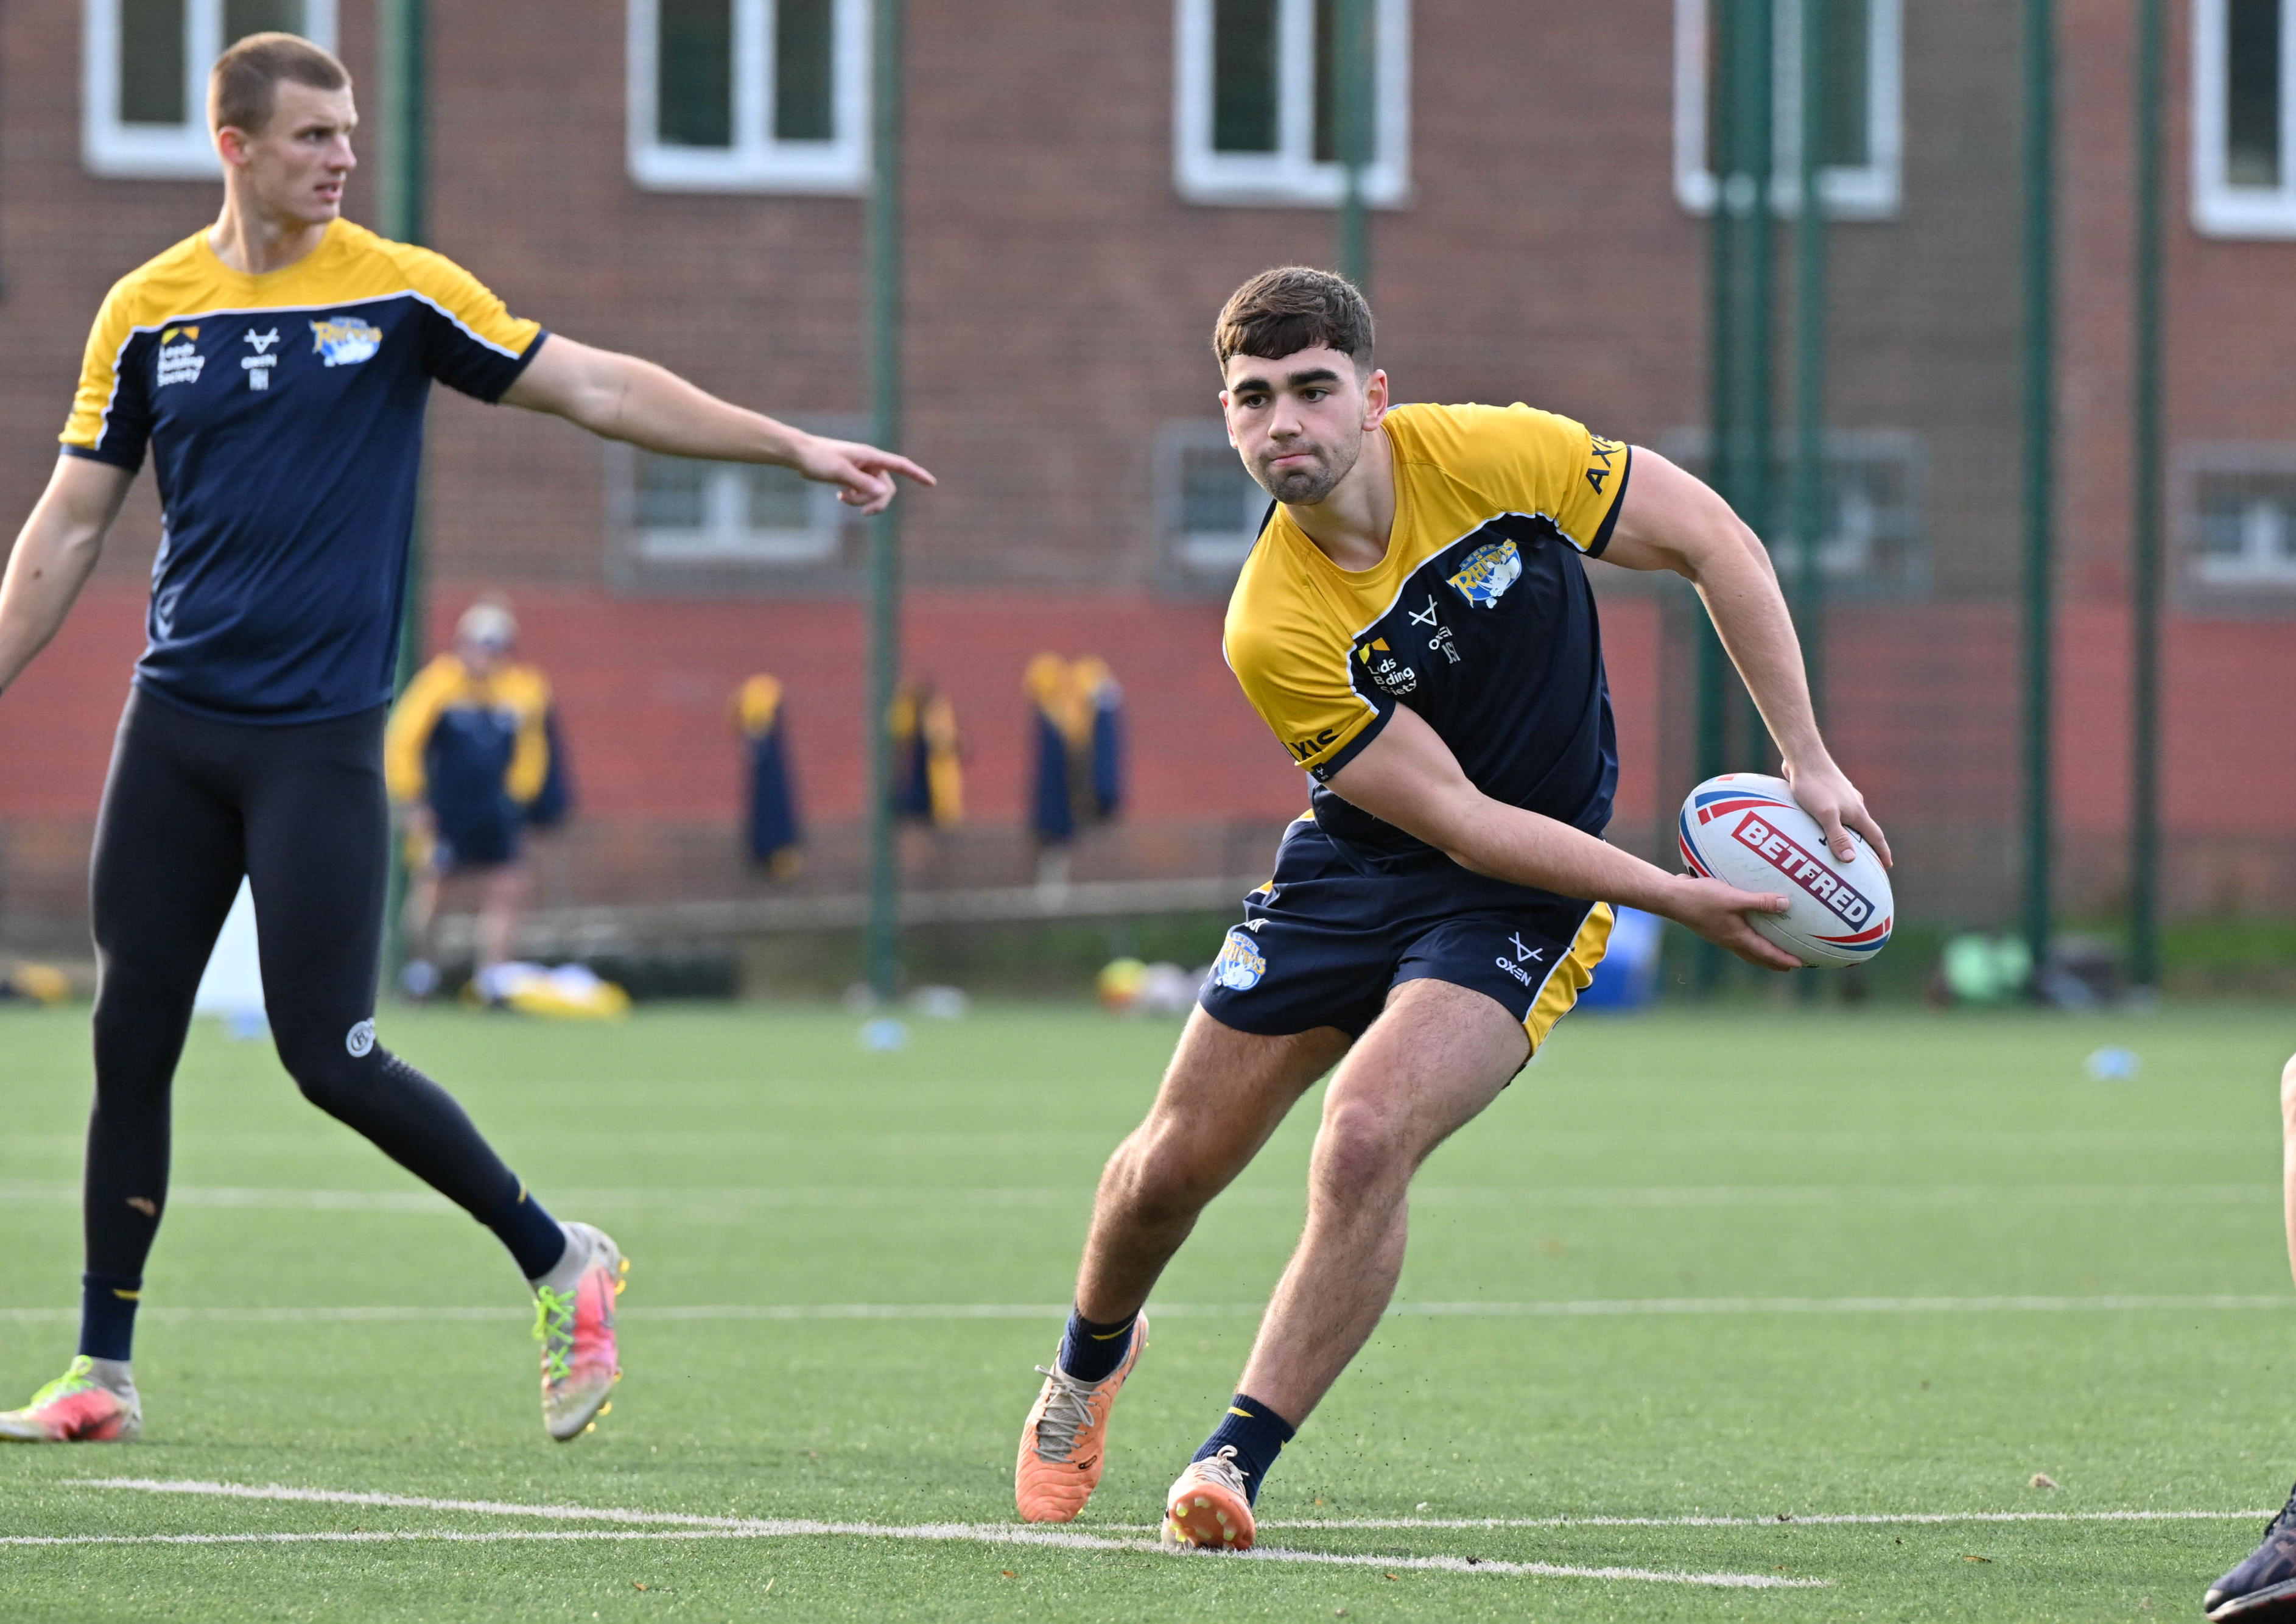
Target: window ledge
x=2244 y=212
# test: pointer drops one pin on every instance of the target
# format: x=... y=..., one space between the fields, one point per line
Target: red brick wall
x=1059 y=291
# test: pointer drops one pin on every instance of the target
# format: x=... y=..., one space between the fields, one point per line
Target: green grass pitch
x=1732 y=1266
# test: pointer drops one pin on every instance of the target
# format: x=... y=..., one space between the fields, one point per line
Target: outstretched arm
x=54 y=551
x=1671 y=521
x=623 y=398
x=1409 y=777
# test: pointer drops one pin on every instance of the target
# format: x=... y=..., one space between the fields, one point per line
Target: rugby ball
x=1745 y=829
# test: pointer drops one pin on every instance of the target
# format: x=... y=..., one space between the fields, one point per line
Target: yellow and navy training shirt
x=1479 y=617
x=284 y=416
x=469 y=745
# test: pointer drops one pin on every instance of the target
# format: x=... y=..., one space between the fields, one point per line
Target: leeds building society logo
x=1390 y=673
x=180 y=360
x=1489 y=570
x=1239 y=964
x=345 y=340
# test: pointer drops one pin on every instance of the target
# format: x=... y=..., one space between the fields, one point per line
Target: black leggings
x=191 y=805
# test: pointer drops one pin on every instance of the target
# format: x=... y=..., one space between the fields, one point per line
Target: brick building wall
x=1059 y=290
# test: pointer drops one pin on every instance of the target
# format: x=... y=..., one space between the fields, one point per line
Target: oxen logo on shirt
x=1489 y=570
x=345 y=340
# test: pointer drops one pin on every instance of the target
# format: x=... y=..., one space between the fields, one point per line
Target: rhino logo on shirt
x=345 y=340
x=1489 y=570
x=1239 y=964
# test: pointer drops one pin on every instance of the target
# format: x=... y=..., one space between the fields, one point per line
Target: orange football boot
x=1207 y=1507
x=1065 y=1444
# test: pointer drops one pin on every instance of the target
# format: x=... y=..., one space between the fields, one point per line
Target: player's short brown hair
x=243 y=89
x=1290 y=309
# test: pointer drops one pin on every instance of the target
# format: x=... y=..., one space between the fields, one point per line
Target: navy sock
x=1090 y=1350
x=1257 y=1434
x=531 y=1234
x=107 y=1315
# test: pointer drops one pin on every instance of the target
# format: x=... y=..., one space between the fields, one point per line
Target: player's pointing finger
x=901 y=466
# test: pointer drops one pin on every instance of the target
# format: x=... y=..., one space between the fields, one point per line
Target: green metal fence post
x=1351 y=72
x=883 y=949
x=401 y=42
x=1810 y=355
x=2039 y=472
x=1712 y=670
x=2144 y=563
x=1757 y=131
x=1810 y=369
x=402 y=69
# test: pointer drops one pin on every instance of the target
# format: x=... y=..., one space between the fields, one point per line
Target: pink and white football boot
x=75 y=1408
x=575 y=1329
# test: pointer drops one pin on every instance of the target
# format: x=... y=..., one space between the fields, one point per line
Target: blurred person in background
x=771 y=832
x=928 y=767
x=468 y=754
x=276 y=367
x=1077 y=712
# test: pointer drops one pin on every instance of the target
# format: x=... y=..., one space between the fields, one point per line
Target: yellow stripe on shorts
x=1570 y=978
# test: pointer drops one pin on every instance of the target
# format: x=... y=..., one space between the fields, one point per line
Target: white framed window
x=2237 y=504
x=1861 y=172
x=144 y=77
x=749 y=95
x=2244 y=118
x=1254 y=116
x=677 y=522
x=1208 y=508
x=1874 y=541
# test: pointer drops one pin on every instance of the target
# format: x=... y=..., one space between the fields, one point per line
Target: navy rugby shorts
x=477 y=841
x=1323 y=943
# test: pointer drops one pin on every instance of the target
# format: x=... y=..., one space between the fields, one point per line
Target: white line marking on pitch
x=681 y=1525
x=1834 y=1519
x=1560 y=1308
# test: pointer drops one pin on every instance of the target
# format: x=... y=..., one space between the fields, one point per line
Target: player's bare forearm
x=1408 y=776
x=1671 y=521
x=54 y=552
x=624 y=397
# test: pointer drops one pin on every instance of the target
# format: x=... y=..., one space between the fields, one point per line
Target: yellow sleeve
x=1295 y=672
x=1526 y=460
x=529 y=757
x=408 y=732
x=472 y=342
x=111 y=414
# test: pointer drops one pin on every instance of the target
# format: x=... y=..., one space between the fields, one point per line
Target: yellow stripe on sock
x=1108 y=1336
x=1247 y=1414
x=1570 y=976
x=126 y=1296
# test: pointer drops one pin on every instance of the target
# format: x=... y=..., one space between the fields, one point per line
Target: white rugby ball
x=1746 y=829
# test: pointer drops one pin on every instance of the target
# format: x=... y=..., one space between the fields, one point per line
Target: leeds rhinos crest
x=1489 y=570
x=345 y=340
x=1239 y=964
